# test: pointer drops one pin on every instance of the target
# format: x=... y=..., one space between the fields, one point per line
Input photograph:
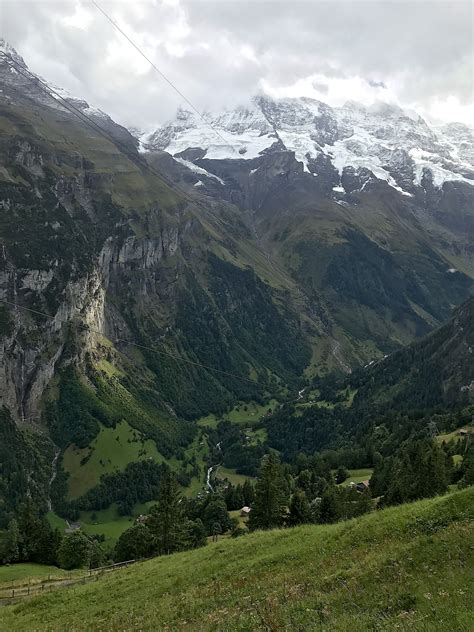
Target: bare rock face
x=32 y=353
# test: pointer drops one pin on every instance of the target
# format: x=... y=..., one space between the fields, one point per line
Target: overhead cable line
x=84 y=118
x=140 y=346
x=46 y=89
x=72 y=109
x=161 y=74
x=186 y=99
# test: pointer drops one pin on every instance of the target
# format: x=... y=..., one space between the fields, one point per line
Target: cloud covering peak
x=417 y=54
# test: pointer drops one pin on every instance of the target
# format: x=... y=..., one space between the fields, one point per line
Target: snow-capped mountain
x=394 y=145
x=17 y=80
x=16 y=73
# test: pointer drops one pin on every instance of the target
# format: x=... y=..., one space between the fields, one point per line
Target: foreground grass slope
x=409 y=567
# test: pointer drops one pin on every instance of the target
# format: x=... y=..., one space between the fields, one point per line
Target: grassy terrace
x=405 y=568
x=356 y=476
x=241 y=414
x=12 y=575
x=455 y=433
x=111 y=450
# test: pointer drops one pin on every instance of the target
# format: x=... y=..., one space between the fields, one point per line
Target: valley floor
x=404 y=568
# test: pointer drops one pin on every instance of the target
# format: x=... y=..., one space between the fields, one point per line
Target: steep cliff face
x=116 y=291
x=97 y=240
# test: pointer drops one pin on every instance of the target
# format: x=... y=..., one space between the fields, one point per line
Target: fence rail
x=33 y=587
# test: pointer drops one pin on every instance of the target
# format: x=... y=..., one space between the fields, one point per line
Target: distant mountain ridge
x=394 y=145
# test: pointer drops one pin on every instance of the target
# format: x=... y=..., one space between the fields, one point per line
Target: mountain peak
x=8 y=49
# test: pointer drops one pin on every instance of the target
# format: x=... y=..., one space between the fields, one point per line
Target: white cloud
x=417 y=54
x=450 y=109
x=333 y=90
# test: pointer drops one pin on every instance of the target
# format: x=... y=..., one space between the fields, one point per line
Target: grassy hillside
x=111 y=450
x=408 y=567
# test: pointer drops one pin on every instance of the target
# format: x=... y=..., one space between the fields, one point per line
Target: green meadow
x=404 y=568
x=111 y=450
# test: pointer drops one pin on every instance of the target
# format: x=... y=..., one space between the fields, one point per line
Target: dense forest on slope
x=419 y=391
x=437 y=371
x=25 y=458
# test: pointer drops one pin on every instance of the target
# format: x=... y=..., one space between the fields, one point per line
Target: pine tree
x=330 y=507
x=216 y=511
x=38 y=542
x=436 y=466
x=11 y=544
x=467 y=467
x=341 y=474
x=271 y=495
x=134 y=543
x=248 y=492
x=166 y=517
x=195 y=534
x=299 y=509
x=97 y=554
x=304 y=482
x=238 y=499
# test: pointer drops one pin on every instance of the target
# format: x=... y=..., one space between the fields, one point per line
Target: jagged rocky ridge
x=381 y=141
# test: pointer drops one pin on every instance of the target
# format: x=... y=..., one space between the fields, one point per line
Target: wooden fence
x=20 y=589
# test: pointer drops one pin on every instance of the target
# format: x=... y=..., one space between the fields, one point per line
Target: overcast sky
x=417 y=53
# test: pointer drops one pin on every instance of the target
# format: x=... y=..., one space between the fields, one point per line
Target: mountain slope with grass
x=406 y=568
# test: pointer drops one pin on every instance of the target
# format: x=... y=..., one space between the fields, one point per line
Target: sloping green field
x=356 y=476
x=405 y=568
x=111 y=450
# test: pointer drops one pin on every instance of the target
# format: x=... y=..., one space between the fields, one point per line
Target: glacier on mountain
x=397 y=146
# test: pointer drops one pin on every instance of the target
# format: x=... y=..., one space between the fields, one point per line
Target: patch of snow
x=339 y=189
x=199 y=184
x=428 y=160
x=95 y=112
x=192 y=167
x=452 y=270
x=299 y=142
x=394 y=185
